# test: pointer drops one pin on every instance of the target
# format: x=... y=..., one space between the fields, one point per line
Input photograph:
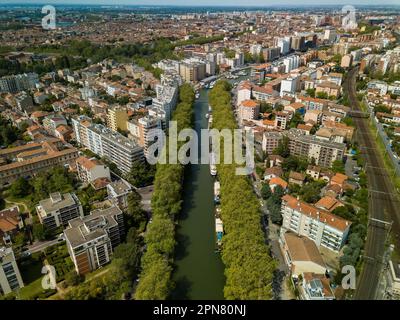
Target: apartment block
x=107 y=143
x=323 y=227
x=324 y=153
x=91 y=169
x=19 y=82
x=10 y=277
x=165 y=101
x=192 y=70
x=271 y=141
x=145 y=131
x=118 y=192
x=92 y=239
x=249 y=110
x=117 y=118
x=57 y=210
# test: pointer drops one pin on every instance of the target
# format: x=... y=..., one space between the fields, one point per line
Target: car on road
x=26 y=254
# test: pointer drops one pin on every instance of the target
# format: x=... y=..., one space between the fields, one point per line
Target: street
x=40 y=246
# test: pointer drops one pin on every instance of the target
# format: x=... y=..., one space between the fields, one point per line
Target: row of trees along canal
x=248 y=265
x=155 y=278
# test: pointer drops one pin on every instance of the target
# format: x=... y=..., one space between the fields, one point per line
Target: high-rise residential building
x=239 y=56
x=255 y=49
x=330 y=35
x=145 y=131
x=92 y=239
x=323 y=153
x=192 y=70
x=10 y=277
x=249 y=110
x=107 y=143
x=19 y=82
x=91 y=169
x=57 y=210
x=271 y=141
x=284 y=45
x=272 y=53
x=289 y=86
x=298 y=43
x=321 y=226
x=118 y=192
x=166 y=101
x=291 y=63
x=117 y=118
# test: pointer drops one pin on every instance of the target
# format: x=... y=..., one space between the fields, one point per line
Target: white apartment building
x=166 y=100
x=243 y=92
x=323 y=227
x=145 y=130
x=19 y=82
x=291 y=63
x=249 y=110
x=284 y=44
x=91 y=169
x=57 y=210
x=118 y=192
x=289 y=86
x=107 y=143
x=10 y=277
x=91 y=239
x=330 y=35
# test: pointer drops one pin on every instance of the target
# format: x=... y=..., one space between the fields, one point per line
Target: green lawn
x=31 y=290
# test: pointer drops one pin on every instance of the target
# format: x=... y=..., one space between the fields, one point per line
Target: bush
x=73 y=279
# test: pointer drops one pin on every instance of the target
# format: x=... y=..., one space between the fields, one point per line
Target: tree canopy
x=248 y=266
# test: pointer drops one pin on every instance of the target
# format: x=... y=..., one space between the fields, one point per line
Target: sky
x=211 y=2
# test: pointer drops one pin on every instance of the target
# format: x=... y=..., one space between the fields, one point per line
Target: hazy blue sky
x=211 y=2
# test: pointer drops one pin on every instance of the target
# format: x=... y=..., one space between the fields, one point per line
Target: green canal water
x=199 y=271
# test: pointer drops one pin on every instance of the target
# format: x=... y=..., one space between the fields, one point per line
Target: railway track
x=382 y=206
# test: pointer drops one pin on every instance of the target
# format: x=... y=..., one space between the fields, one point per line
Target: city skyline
x=254 y=3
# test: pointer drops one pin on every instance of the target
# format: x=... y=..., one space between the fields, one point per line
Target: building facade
x=323 y=227
x=10 y=277
x=57 y=210
x=92 y=239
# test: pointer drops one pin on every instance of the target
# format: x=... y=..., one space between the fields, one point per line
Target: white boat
x=209 y=108
x=219 y=230
x=207 y=116
x=213 y=167
x=197 y=95
x=217 y=191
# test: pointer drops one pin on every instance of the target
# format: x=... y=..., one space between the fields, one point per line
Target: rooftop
x=82 y=230
x=315 y=213
x=57 y=202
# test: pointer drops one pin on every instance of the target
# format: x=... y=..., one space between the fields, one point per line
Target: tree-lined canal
x=199 y=271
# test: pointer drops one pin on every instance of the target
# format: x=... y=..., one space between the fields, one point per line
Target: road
x=382 y=201
x=40 y=246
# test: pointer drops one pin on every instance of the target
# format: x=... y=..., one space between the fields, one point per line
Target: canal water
x=199 y=271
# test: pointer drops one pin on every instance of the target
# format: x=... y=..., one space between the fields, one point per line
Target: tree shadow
x=182 y=288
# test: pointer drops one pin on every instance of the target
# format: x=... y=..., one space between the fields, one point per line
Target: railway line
x=381 y=207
